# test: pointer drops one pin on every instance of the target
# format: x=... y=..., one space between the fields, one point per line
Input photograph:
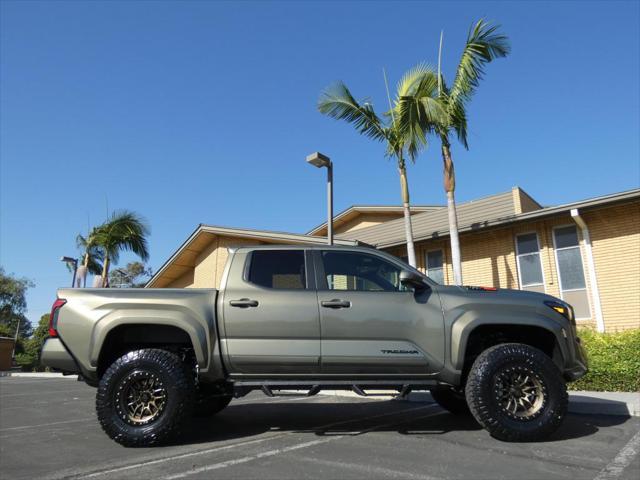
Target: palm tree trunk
x=449 y=188
x=105 y=272
x=85 y=264
x=408 y=230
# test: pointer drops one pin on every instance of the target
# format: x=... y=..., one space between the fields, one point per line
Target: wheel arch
x=534 y=330
x=124 y=334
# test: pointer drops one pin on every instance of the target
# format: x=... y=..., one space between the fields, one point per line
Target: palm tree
x=124 y=231
x=338 y=102
x=484 y=44
x=91 y=256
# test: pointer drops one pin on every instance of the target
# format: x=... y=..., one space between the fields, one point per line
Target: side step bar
x=272 y=388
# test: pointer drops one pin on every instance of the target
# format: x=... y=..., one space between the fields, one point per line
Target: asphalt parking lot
x=48 y=430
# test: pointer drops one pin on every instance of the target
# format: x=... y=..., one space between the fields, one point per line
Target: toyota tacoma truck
x=314 y=318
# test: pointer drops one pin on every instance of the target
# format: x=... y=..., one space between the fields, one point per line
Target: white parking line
x=370 y=470
x=625 y=456
x=46 y=424
x=279 y=451
x=47 y=392
x=234 y=445
x=241 y=402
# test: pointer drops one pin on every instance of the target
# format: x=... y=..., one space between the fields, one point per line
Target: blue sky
x=203 y=112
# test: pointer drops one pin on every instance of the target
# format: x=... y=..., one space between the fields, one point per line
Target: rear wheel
x=145 y=397
x=451 y=399
x=516 y=393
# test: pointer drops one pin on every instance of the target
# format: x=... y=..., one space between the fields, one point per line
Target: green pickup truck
x=314 y=318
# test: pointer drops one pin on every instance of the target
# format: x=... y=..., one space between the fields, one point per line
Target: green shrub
x=26 y=361
x=28 y=350
x=614 y=361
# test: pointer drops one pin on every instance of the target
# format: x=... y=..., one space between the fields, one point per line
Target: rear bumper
x=55 y=355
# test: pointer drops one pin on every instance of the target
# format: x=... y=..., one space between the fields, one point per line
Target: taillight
x=53 y=318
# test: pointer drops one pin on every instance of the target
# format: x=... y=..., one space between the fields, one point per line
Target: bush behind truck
x=316 y=318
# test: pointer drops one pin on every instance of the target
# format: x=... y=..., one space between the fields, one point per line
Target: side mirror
x=412 y=279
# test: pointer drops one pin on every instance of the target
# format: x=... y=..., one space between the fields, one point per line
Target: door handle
x=335 y=303
x=243 y=303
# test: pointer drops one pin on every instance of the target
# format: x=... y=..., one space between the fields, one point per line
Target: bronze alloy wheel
x=520 y=393
x=142 y=398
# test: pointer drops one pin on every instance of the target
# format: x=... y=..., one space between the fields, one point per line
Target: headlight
x=562 y=308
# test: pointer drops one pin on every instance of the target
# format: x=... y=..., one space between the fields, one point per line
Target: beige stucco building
x=586 y=252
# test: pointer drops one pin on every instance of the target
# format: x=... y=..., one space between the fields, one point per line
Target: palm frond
x=81 y=242
x=412 y=77
x=338 y=102
x=484 y=44
x=418 y=109
x=123 y=231
x=95 y=266
x=458 y=120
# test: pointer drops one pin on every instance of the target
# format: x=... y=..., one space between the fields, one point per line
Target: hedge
x=614 y=361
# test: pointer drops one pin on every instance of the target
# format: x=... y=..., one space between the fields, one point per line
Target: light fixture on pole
x=319 y=160
x=74 y=262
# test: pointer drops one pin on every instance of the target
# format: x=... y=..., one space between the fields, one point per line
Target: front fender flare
x=469 y=321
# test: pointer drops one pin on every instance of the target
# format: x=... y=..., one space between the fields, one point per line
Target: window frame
x=518 y=254
x=321 y=278
x=426 y=264
x=309 y=270
x=555 y=256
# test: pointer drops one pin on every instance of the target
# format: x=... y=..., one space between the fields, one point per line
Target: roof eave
x=245 y=233
x=593 y=203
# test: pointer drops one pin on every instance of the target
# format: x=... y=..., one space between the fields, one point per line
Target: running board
x=272 y=388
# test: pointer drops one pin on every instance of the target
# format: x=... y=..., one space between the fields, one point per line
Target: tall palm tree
x=91 y=256
x=338 y=102
x=484 y=44
x=123 y=231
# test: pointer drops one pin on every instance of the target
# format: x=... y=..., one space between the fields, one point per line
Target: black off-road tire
x=166 y=368
x=451 y=399
x=486 y=382
x=211 y=399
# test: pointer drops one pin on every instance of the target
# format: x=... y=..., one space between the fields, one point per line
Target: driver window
x=360 y=272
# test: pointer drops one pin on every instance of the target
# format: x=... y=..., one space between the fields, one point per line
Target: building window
x=529 y=265
x=570 y=270
x=360 y=272
x=435 y=266
x=279 y=269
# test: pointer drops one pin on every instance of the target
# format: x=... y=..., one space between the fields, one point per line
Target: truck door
x=270 y=313
x=370 y=322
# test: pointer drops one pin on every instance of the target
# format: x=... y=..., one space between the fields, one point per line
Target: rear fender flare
x=197 y=332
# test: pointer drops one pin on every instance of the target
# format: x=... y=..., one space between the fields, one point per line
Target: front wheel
x=145 y=397
x=516 y=393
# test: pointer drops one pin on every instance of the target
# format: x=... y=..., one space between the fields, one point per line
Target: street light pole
x=319 y=160
x=74 y=262
x=330 y=203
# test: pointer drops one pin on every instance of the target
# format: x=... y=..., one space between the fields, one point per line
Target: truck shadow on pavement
x=242 y=421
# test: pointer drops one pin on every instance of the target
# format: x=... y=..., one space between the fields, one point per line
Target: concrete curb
x=37 y=375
